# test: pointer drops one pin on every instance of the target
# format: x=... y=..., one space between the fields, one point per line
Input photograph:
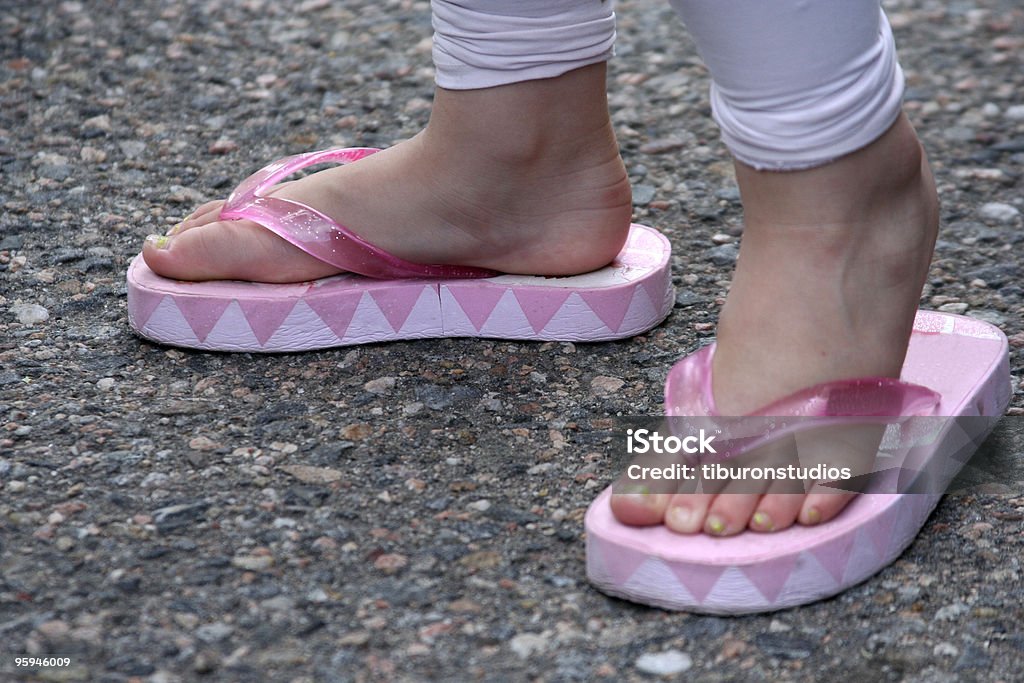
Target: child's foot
x=829 y=278
x=524 y=178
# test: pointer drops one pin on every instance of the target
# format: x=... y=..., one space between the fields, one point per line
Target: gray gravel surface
x=413 y=511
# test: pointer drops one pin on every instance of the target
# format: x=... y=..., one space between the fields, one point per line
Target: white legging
x=795 y=83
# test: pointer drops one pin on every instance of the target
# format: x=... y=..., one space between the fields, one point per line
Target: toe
x=640 y=508
x=230 y=250
x=730 y=513
x=686 y=512
x=207 y=213
x=776 y=511
x=821 y=506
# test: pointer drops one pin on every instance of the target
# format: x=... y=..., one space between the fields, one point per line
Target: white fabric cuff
x=482 y=44
x=797 y=84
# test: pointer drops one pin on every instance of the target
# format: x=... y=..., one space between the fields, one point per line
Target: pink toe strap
x=319 y=235
x=690 y=406
x=688 y=393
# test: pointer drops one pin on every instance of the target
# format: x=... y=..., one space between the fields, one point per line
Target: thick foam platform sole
x=631 y=295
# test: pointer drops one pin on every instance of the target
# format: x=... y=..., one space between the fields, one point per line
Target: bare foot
x=524 y=178
x=828 y=281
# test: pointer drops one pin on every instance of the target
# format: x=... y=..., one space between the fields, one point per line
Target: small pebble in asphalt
x=527 y=644
x=723 y=255
x=30 y=314
x=664 y=663
x=643 y=194
x=999 y=212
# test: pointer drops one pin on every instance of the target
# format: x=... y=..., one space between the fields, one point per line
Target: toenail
x=679 y=518
x=637 y=494
x=813 y=516
x=716 y=525
x=177 y=228
x=640 y=500
x=159 y=241
x=763 y=522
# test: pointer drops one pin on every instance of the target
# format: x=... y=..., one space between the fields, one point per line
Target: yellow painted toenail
x=716 y=525
x=763 y=521
x=159 y=241
x=813 y=516
x=174 y=230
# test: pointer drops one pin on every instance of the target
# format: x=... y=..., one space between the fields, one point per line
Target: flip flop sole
x=966 y=361
x=628 y=297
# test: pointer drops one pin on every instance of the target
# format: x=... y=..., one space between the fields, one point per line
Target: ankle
x=861 y=187
x=529 y=124
x=878 y=205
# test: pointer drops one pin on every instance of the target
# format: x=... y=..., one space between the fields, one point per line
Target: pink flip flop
x=383 y=297
x=965 y=365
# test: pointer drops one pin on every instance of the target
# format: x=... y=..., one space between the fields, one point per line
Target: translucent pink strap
x=688 y=393
x=319 y=235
